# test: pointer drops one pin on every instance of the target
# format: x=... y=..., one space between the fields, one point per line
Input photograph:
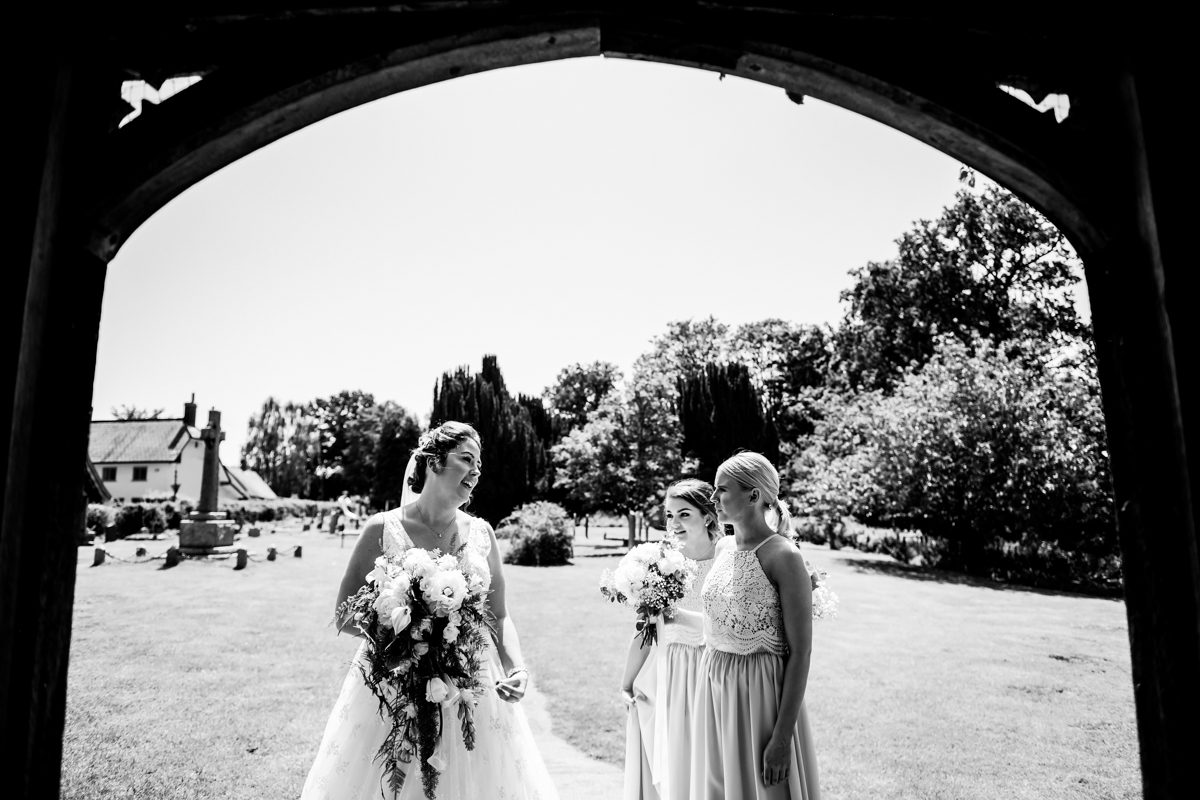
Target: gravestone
x=207 y=528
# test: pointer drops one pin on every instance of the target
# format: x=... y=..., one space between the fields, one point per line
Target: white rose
x=418 y=562
x=436 y=690
x=447 y=562
x=384 y=605
x=450 y=634
x=676 y=560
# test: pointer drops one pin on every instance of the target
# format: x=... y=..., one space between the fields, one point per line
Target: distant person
x=660 y=680
x=751 y=737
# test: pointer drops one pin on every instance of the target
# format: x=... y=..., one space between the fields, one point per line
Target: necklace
x=439 y=534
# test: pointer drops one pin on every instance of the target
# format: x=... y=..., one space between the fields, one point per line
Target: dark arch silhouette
x=1113 y=177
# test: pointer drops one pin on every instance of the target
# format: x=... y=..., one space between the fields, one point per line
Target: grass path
x=205 y=682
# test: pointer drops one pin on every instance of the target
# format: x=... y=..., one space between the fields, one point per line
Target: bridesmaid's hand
x=512 y=688
x=777 y=758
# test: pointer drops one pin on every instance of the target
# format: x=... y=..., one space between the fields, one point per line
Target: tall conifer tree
x=720 y=413
x=514 y=457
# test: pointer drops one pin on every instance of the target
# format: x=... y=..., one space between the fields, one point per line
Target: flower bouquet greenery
x=423 y=618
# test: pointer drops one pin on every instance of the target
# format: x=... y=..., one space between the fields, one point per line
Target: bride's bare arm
x=508 y=644
x=368 y=548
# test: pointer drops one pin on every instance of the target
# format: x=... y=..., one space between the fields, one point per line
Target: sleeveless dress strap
x=395 y=538
x=760 y=544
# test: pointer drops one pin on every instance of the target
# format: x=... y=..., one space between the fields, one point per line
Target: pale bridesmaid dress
x=740 y=688
x=641 y=783
x=658 y=731
x=680 y=650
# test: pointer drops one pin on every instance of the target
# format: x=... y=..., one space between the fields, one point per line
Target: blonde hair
x=753 y=471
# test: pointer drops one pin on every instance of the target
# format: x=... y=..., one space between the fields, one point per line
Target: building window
x=108 y=473
x=139 y=473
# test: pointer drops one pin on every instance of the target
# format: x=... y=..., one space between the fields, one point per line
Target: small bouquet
x=651 y=578
x=824 y=601
x=424 y=621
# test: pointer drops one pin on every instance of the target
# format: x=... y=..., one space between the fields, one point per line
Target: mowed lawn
x=205 y=682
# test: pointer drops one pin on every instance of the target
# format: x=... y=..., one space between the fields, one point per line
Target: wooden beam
x=1140 y=382
x=46 y=431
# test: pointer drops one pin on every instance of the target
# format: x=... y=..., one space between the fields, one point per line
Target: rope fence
x=173 y=556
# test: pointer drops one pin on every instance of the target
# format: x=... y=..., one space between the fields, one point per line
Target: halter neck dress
x=741 y=686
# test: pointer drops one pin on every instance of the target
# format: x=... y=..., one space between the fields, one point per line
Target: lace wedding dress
x=505 y=763
x=740 y=688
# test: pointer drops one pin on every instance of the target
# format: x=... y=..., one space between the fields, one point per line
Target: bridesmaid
x=660 y=681
x=751 y=738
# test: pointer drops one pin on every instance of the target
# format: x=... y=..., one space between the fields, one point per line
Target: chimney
x=189 y=412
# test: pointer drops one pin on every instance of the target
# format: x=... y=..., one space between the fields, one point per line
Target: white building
x=155 y=459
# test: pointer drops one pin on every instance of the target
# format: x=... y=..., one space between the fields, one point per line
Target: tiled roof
x=252 y=483
x=137 y=440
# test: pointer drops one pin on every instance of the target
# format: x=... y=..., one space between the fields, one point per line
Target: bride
x=505 y=762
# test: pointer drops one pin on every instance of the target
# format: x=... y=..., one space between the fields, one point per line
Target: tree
x=579 y=390
x=623 y=457
x=513 y=455
x=347 y=425
x=989 y=266
x=398 y=435
x=126 y=412
x=982 y=444
x=264 y=450
x=720 y=412
x=282 y=446
x=683 y=350
x=785 y=360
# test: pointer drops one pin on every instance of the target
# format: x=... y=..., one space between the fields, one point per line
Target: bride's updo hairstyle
x=698 y=493
x=433 y=447
x=754 y=471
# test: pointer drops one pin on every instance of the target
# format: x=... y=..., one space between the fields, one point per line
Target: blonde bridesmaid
x=751 y=738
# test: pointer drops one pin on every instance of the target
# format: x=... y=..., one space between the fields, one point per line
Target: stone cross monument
x=206 y=527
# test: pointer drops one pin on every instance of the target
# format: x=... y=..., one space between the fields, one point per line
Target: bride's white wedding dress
x=505 y=763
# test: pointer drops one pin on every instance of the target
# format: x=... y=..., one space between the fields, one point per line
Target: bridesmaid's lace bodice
x=742 y=613
x=682 y=634
x=472 y=554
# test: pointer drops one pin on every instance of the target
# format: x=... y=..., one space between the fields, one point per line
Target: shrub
x=100 y=516
x=266 y=514
x=129 y=520
x=982 y=443
x=540 y=534
x=154 y=520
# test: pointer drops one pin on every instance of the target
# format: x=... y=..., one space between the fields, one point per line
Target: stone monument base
x=200 y=533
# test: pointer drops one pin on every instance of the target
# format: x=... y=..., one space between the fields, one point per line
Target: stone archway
x=1111 y=177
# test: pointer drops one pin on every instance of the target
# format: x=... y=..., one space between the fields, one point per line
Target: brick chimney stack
x=189 y=412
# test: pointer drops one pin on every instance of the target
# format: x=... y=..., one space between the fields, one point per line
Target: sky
x=548 y=214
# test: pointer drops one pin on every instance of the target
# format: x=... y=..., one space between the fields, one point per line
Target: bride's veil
x=407 y=494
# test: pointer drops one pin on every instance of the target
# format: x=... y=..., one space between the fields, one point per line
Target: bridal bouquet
x=425 y=629
x=824 y=601
x=651 y=578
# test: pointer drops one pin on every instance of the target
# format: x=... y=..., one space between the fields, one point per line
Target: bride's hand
x=512 y=688
x=627 y=696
